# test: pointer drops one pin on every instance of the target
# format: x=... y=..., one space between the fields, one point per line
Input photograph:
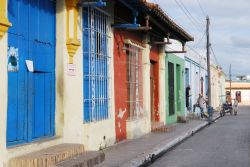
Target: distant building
x=239 y=90
x=218 y=79
x=241 y=78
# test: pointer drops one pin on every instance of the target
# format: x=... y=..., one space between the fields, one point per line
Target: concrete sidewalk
x=137 y=152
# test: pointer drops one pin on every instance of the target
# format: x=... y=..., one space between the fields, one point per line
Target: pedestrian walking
x=201 y=103
x=235 y=106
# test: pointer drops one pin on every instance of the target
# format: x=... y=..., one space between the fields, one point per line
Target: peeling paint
x=121 y=113
x=13 y=59
x=119 y=126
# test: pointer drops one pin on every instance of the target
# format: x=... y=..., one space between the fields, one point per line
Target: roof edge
x=156 y=9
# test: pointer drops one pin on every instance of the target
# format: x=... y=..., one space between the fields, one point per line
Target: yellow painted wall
x=69 y=89
x=3 y=98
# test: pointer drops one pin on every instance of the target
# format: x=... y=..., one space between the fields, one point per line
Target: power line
x=197 y=53
x=216 y=60
x=198 y=43
x=202 y=10
x=187 y=15
x=157 y=34
x=190 y=13
x=155 y=1
x=194 y=23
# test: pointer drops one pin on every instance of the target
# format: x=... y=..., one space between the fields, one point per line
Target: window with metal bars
x=134 y=82
x=96 y=26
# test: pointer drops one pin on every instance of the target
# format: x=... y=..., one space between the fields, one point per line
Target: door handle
x=43 y=42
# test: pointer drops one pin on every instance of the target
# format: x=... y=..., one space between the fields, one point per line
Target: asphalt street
x=223 y=144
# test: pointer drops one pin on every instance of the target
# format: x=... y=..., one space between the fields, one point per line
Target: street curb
x=148 y=157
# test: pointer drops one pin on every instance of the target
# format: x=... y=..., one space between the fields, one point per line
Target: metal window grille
x=96 y=28
x=134 y=80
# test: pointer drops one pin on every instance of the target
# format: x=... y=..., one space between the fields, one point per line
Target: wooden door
x=31 y=103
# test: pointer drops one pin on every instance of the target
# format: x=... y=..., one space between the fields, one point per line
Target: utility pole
x=230 y=78
x=208 y=62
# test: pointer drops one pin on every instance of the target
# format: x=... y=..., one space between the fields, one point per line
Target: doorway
x=154 y=100
x=238 y=96
x=31 y=95
x=171 y=88
x=178 y=87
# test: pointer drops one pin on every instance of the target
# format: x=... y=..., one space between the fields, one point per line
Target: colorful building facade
x=240 y=90
x=175 y=93
x=218 y=84
x=195 y=77
x=73 y=72
x=129 y=84
x=174 y=88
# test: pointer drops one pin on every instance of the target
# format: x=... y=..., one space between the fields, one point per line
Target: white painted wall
x=222 y=88
x=197 y=69
x=162 y=84
x=101 y=134
x=3 y=96
x=138 y=127
x=214 y=87
x=175 y=46
x=245 y=95
x=69 y=94
x=217 y=88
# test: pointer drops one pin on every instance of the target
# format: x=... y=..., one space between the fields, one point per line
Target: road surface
x=223 y=144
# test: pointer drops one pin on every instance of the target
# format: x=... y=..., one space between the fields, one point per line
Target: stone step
x=164 y=129
x=193 y=116
x=160 y=127
x=155 y=125
x=48 y=157
x=182 y=119
x=87 y=159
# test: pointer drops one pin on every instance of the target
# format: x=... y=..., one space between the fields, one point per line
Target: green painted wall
x=178 y=88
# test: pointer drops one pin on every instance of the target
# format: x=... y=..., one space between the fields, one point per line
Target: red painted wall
x=120 y=79
x=154 y=57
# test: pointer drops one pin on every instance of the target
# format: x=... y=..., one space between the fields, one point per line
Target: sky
x=229 y=29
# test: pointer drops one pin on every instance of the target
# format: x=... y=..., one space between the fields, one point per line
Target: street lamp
x=4 y=23
x=72 y=42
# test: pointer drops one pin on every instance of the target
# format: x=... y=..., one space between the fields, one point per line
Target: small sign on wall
x=29 y=65
x=71 y=70
x=13 y=59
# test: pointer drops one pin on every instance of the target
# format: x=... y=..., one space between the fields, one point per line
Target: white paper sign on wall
x=30 y=66
x=71 y=70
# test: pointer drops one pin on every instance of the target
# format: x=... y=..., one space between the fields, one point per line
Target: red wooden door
x=152 y=89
